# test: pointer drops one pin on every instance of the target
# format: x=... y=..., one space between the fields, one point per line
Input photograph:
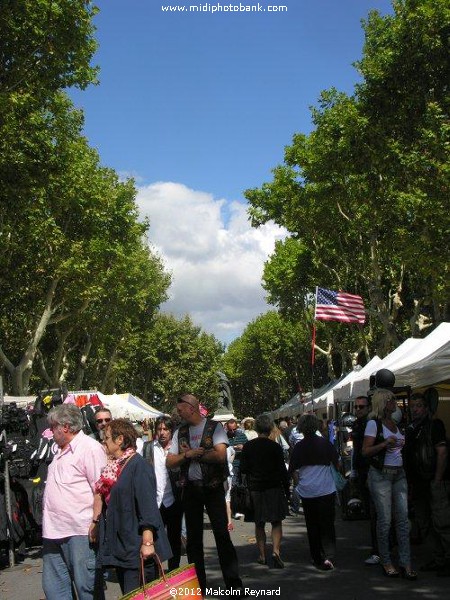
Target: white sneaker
x=373 y=559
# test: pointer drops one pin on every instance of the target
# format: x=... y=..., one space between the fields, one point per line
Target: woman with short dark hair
x=125 y=506
x=313 y=456
x=262 y=462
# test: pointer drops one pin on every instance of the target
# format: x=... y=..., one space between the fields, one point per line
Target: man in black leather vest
x=199 y=450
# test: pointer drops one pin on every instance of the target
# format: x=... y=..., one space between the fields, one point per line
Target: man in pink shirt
x=69 y=558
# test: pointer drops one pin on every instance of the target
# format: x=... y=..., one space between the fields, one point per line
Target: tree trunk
x=61 y=356
x=85 y=351
x=329 y=357
x=378 y=301
x=109 y=376
x=21 y=373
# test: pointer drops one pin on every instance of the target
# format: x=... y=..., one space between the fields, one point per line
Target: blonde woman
x=248 y=424
x=383 y=443
x=277 y=436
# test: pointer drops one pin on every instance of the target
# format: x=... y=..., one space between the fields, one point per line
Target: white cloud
x=215 y=256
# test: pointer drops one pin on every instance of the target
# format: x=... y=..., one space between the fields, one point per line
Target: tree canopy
x=364 y=195
x=81 y=286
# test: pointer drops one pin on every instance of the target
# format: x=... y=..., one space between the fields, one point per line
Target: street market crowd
x=129 y=498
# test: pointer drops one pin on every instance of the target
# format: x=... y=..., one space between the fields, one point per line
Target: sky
x=198 y=106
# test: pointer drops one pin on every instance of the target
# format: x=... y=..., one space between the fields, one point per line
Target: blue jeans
x=68 y=562
x=389 y=488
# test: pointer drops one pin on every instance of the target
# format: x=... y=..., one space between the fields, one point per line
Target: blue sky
x=198 y=107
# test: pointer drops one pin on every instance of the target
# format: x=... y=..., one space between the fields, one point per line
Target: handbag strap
x=160 y=569
x=125 y=464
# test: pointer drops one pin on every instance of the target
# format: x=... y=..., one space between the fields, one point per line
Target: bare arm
x=96 y=513
x=369 y=447
x=176 y=460
x=218 y=454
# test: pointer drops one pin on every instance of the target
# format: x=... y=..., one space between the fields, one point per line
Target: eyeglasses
x=360 y=406
x=102 y=420
x=181 y=401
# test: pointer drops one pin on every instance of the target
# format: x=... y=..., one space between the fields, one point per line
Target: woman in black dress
x=263 y=464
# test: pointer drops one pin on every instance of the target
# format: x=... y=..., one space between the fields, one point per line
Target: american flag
x=339 y=306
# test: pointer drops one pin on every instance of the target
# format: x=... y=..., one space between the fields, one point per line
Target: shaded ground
x=351 y=580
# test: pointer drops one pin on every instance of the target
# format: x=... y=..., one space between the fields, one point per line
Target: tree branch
x=5 y=360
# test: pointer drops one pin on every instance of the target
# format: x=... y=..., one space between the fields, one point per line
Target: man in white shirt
x=168 y=496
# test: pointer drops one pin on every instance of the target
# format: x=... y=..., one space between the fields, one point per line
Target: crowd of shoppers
x=110 y=502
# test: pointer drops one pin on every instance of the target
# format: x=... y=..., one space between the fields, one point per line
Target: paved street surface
x=351 y=580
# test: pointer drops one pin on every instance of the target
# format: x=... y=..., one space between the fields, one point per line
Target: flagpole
x=312 y=363
x=313 y=353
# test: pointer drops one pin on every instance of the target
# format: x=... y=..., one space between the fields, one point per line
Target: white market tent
x=21 y=401
x=285 y=410
x=296 y=406
x=128 y=406
x=417 y=362
x=121 y=405
x=428 y=363
x=360 y=383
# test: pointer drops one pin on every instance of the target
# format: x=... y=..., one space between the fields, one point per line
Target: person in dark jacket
x=428 y=472
x=360 y=465
x=125 y=507
x=263 y=463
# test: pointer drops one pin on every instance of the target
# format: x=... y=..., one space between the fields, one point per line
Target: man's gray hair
x=66 y=414
x=263 y=424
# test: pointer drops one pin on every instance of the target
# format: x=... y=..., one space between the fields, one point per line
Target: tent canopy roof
x=129 y=407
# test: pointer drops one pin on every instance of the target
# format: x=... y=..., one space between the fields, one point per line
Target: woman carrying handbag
x=127 y=523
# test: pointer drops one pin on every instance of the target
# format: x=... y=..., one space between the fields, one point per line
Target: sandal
x=408 y=574
x=261 y=561
x=389 y=571
x=277 y=562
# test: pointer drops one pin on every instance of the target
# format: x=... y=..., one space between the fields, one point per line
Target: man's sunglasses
x=102 y=420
